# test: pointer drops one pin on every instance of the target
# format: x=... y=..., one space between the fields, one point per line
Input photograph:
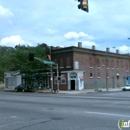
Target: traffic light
x=59 y=73
x=83 y=5
x=31 y=56
x=55 y=73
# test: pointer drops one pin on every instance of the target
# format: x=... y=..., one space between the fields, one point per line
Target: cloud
x=13 y=41
x=89 y=43
x=75 y=35
x=124 y=49
x=51 y=31
x=5 y=12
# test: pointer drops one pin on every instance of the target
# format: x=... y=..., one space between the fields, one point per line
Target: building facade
x=83 y=68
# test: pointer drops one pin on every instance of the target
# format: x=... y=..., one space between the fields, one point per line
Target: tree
x=13 y=59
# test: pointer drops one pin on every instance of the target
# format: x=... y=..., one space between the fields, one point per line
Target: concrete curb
x=81 y=91
x=73 y=91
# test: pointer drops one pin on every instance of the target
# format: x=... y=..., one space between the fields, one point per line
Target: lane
x=55 y=112
x=103 y=96
x=98 y=104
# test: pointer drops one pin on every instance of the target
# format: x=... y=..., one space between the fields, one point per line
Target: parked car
x=126 y=88
x=23 y=88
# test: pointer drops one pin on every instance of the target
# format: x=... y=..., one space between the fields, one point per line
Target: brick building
x=83 y=68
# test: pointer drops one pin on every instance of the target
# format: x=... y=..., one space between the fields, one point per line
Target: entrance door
x=72 y=84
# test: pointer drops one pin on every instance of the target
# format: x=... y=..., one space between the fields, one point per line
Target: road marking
x=107 y=114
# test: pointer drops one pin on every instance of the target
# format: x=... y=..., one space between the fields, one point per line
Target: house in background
x=12 y=79
x=83 y=68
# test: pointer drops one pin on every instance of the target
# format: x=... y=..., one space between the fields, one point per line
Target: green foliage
x=12 y=59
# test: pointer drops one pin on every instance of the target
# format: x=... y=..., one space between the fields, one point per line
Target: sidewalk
x=81 y=91
x=85 y=91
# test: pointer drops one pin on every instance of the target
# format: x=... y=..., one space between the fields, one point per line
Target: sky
x=61 y=23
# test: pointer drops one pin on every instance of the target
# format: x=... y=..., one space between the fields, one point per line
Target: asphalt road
x=39 y=111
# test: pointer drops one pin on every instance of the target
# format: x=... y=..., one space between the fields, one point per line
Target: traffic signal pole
x=51 y=74
x=50 y=63
x=51 y=80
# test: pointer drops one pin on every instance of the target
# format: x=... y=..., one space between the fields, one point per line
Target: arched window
x=73 y=75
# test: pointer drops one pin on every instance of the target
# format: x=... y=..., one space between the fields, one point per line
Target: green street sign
x=48 y=62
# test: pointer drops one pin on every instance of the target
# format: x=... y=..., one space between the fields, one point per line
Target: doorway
x=72 y=84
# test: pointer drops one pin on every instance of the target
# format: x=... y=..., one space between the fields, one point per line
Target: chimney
x=80 y=44
x=117 y=51
x=93 y=47
x=107 y=49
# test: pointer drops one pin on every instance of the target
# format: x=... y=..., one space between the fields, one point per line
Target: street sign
x=48 y=62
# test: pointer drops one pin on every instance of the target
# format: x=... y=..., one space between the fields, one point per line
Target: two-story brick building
x=83 y=68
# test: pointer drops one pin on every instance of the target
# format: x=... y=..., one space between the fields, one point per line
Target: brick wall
x=116 y=64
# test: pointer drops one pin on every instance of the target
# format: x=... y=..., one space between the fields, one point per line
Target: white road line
x=107 y=114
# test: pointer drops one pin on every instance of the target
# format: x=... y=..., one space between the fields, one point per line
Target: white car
x=126 y=88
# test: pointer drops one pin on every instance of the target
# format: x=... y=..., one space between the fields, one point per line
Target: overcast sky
x=61 y=23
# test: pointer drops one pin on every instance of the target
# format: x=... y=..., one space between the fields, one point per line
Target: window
x=90 y=62
x=55 y=81
x=98 y=74
x=107 y=75
x=117 y=64
x=90 y=73
x=73 y=75
x=61 y=62
x=98 y=63
x=122 y=66
x=103 y=63
x=63 y=81
x=112 y=64
x=126 y=66
x=107 y=65
x=67 y=61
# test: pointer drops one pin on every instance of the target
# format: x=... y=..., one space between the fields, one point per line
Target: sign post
x=50 y=63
